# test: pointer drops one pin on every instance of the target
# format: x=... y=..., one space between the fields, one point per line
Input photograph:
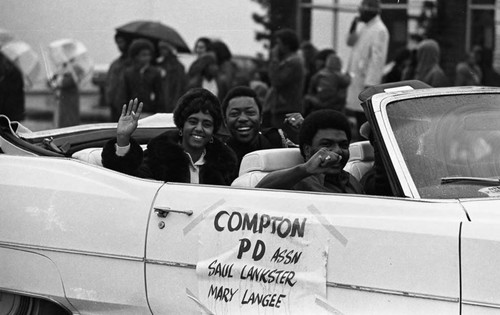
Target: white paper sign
x=261 y=263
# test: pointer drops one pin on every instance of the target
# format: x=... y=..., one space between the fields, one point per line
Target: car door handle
x=163 y=211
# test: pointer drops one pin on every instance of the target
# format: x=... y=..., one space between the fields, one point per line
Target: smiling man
x=243 y=115
x=324 y=140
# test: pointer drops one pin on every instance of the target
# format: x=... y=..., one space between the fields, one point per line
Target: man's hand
x=321 y=161
x=294 y=119
x=128 y=121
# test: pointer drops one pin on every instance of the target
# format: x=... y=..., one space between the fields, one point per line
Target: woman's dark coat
x=166 y=160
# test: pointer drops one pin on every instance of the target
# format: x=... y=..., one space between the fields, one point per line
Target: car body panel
x=426 y=233
x=30 y=272
x=89 y=221
x=95 y=236
x=480 y=239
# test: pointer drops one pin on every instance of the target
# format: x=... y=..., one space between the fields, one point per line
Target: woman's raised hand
x=128 y=121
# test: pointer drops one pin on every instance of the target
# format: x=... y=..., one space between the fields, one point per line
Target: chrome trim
x=163 y=211
x=393 y=292
x=170 y=263
x=483 y=304
x=69 y=251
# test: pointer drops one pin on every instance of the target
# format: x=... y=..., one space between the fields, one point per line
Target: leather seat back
x=255 y=165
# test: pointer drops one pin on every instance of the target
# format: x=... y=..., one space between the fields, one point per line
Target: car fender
x=31 y=274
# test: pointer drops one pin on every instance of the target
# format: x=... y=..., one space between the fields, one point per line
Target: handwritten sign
x=261 y=263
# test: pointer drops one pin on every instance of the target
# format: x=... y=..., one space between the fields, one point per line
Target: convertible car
x=77 y=238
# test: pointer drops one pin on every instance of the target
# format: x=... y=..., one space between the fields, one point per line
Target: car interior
x=87 y=146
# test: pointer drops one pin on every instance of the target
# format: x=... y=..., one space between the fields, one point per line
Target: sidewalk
x=40 y=107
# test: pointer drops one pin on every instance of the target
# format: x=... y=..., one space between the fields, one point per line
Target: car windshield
x=451 y=148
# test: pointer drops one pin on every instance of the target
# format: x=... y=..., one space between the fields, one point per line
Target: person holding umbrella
x=141 y=80
x=191 y=154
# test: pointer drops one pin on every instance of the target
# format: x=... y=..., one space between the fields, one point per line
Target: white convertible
x=76 y=238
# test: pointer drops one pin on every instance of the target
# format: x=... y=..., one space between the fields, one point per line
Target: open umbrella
x=71 y=55
x=156 y=31
x=25 y=59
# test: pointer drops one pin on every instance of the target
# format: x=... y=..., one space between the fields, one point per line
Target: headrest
x=362 y=150
x=270 y=160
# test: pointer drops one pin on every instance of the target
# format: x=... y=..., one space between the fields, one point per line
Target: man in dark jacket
x=243 y=115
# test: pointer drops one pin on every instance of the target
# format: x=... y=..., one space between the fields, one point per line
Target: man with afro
x=324 y=140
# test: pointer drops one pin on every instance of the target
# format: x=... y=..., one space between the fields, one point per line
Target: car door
x=379 y=255
x=480 y=241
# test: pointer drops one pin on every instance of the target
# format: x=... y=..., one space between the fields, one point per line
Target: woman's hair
x=140 y=44
x=206 y=41
x=194 y=101
x=240 y=91
x=322 y=119
x=222 y=52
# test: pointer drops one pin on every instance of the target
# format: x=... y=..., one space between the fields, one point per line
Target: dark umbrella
x=156 y=31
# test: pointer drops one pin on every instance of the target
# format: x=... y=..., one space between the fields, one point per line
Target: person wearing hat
x=324 y=140
x=369 y=39
x=142 y=80
x=190 y=154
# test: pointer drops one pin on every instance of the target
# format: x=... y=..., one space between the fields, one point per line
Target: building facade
x=458 y=25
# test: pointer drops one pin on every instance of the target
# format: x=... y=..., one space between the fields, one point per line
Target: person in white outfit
x=369 y=39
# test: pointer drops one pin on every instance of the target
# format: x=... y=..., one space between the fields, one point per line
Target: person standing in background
x=286 y=73
x=114 y=75
x=370 y=42
x=142 y=80
x=468 y=71
x=173 y=73
x=202 y=47
x=208 y=77
x=308 y=53
x=65 y=85
x=328 y=87
x=12 y=100
x=228 y=70
x=428 y=69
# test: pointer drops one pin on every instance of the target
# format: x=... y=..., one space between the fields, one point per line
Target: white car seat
x=90 y=155
x=255 y=165
x=93 y=155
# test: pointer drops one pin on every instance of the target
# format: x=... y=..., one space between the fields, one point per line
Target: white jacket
x=367 y=60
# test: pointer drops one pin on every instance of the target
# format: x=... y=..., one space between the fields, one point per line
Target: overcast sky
x=39 y=22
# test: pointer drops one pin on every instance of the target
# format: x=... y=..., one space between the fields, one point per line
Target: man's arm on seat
x=319 y=163
x=284 y=179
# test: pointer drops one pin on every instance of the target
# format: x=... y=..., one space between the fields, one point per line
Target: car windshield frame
x=440 y=116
